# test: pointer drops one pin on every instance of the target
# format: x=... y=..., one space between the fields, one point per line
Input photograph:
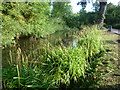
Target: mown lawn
x=110 y=65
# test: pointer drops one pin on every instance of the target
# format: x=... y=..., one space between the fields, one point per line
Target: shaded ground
x=111 y=79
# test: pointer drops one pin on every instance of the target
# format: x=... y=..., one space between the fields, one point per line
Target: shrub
x=117 y=26
x=28 y=19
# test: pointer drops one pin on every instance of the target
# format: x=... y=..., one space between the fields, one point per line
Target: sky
x=77 y=8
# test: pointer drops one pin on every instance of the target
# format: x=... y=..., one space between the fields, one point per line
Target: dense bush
x=116 y=26
x=112 y=15
x=28 y=19
x=81 y=18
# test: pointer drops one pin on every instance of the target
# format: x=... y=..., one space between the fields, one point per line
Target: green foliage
x=96 y=6
x=113 y=15
x=81 y=18
x=61 y=10
x=60 y=66
x=91 y=41
x=65 y=65
x=21 y=19
x=116 y=26
x=28 y=19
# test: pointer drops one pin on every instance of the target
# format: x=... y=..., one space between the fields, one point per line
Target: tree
x=23 y=19
x=102 y=10
x=96 y=6
x=61 y=9
x=113 y=15
x=103 y=5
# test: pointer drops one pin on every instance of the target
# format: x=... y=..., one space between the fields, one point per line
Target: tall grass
x=65 y=65
x=91 y=41
x=61 y=67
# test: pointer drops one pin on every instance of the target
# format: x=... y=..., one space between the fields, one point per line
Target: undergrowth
x=61 y=67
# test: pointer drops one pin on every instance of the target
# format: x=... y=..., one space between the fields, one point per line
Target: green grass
x=110 y=62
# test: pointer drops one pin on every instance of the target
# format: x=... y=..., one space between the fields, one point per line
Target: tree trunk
x=103 y=6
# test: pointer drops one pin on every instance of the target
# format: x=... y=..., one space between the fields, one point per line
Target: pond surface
x=28 y=49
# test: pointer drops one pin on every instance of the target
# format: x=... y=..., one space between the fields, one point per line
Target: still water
x=30 y=49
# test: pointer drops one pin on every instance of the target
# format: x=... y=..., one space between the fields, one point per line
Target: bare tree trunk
x=103 y=6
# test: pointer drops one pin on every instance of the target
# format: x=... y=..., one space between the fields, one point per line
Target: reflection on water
x=74 y=43
x=30 y=49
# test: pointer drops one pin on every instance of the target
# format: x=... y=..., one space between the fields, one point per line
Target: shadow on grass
x=111 y=42
x=110 y=87
x=118 y=41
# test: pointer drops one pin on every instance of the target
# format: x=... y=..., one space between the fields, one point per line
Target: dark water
x=28 y=49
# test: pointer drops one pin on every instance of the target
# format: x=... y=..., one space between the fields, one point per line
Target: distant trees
x=112 y=16
x=103 y=5
x=81 y=18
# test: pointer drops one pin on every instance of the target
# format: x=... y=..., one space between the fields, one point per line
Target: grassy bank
x=60 y=67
